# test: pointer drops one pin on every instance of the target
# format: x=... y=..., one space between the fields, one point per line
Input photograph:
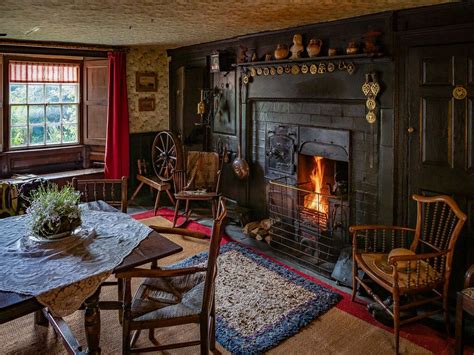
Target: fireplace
x=309 y=203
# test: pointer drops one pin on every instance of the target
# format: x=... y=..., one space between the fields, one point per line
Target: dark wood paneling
x=95 y=101
x=140 y=148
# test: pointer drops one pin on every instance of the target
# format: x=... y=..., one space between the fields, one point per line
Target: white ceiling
x=173 y=23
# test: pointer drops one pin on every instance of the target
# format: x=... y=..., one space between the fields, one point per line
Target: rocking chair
x=419 y=275
x=200 y=182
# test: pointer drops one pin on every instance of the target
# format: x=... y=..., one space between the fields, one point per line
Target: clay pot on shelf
x=352 y=48
x=297 y=48
x=314 y=47
x=281 y=52
x=332 y=52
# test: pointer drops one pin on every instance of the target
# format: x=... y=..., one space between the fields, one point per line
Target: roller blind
x=37 y=72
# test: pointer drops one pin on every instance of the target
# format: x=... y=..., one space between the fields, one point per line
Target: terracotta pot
x=314 y=47
x=281 y=52
x=332 y=52
x=352 y=48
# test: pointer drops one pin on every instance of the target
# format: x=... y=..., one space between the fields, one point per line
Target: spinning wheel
x=166 y=155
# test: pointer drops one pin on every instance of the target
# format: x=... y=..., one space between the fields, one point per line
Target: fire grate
x=308 y=227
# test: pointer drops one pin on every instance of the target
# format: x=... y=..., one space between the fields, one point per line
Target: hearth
x=309 y=203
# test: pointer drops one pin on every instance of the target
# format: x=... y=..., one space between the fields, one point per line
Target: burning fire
x=315 y=201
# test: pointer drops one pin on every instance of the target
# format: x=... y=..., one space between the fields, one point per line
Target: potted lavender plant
x=54 y=212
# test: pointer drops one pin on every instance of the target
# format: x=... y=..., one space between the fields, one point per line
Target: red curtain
x=117 y=159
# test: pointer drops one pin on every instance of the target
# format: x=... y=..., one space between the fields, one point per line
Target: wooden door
x=441 y=136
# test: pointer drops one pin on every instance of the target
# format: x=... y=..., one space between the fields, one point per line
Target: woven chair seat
x=169 y=297
x=377 y=265
x=469 y=292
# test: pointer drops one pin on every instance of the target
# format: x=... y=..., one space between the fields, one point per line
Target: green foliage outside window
x=43 y=114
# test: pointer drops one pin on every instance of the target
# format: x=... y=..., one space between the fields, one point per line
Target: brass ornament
x=295 y=69
x=287 y=69
x=272 y=71
x=313 y=69
x=366 y=86
x=371 y=117
x=371 y=104
x=331 y=67
x=304 y=69
x=253 y=72
x=374 y=85
x=245 y=79
x=266 y=71
x=459 y=92
x=350 y=68
x=259 y=71
x=280 y=70
x=322 y=68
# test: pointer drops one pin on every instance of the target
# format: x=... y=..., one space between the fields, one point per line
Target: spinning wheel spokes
x=166 y=155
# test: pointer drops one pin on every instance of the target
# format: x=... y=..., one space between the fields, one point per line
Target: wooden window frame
x=6 y=102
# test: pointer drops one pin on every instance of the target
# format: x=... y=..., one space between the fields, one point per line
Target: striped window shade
x=36 y=72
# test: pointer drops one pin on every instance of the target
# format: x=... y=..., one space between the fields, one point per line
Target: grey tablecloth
x=62 y=274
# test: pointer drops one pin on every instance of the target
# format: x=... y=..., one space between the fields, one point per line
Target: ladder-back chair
x=111 y=191
x=199 y=182
x=423 y=269
x=171 y=297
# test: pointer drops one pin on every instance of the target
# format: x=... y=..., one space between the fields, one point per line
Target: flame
x=315 y=201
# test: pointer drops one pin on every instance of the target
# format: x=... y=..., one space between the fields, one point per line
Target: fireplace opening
x=310 y=216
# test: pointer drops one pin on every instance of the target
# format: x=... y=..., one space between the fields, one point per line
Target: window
x=43 y=104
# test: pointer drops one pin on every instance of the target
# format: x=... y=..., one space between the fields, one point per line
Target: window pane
x=36 y=134
x=70 y=133
x=18 y=115
x=36 y=114
x=18 y=94
x=18 y=136
x=69 y=93
x=52 y=93
x=53 y=114
x=53 y=135
x=35 y=93
x=69 y=113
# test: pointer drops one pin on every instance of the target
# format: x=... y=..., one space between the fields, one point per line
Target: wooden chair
x=111 y=191
x=465 y=303
x=439 y=222
x=199 y=182
x=154 y=182
x=173 y=297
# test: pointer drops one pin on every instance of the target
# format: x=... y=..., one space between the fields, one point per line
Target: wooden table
x=14 y=305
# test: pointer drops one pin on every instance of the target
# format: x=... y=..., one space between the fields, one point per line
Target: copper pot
x=281 y=52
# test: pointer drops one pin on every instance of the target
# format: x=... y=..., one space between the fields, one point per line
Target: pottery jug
x=314 y=47
x=352 y=48
x=297 y=48
x=281 y=52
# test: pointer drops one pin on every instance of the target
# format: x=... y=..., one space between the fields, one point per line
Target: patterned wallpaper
x=151 y=59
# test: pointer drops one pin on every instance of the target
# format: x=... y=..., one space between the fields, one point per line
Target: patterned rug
x=260 y=303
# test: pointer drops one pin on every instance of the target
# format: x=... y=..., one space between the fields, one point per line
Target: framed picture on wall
x=146 y=104
x=146 y=82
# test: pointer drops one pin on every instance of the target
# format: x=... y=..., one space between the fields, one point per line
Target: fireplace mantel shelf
x=360 y=58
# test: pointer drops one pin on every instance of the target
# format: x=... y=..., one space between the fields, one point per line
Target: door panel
x=441 y=145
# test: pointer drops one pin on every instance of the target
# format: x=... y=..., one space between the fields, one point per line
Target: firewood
x=250 y=227
x=266 y=224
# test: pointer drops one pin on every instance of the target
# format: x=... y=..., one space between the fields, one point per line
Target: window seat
x=60 y=178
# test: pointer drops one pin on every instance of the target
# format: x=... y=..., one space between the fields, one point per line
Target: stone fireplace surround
x=364 y=165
